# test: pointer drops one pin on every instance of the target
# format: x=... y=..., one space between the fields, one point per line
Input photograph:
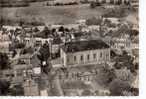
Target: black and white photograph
x=69 y=48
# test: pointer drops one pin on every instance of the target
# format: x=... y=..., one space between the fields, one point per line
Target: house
x=31 y=88
x=55 y=46
x=112 y=20
x=121 y=42
x=71 y=26
x=31 y=41
x=43 y=40
x=19 y=68
x=94 y=27
x=135 y=42
x=77 y=74
x=135 y=49
x=4 y=46
x=18 y=73
x=5 y=43
x=79 y=53
x=25 y=58
x=11 y=27
x=135 y=26
x=135 y=3
x=135 y=83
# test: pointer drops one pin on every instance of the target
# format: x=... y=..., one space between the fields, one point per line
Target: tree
x=61 y=29
x=123 y=61
x=117 y=87
x=93 y=21
x=44 y=52
x=46 y=32
x=4 y=87
x=14 y=53
x=105 y=76
x=36 y=29
x=117 y=65
x=92 y=5
x=21 y=22
x=135 y=91
x=125 y=75
x=4 y=61
x=17 y=90
x=113 y=54
x=123 y=29
x=43 y=56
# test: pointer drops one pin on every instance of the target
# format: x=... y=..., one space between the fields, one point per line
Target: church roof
x=84 y=45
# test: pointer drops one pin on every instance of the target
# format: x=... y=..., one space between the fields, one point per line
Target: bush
x=105 y=76
x=14 y=4
x=17 y=90
x=93 y=21
x=93 y=5
x=4 y=87
x=118 y=12
x=117 y=87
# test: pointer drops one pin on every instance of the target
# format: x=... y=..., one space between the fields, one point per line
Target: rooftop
x=84 y=45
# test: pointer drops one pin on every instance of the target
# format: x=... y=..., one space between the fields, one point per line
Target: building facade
x=84 y=53
x=122 y=42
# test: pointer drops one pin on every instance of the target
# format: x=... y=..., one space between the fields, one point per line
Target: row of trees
x=17 y=3
x=118 y=12
x=21 y=21
x=14 y=3
x=64 y=4
x=97 y=3
x=46 y=32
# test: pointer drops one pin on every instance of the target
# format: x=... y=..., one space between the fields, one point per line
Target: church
x=77 y=53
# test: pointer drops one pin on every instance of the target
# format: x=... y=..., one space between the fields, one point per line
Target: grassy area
x=56 y=14
x=51 y=14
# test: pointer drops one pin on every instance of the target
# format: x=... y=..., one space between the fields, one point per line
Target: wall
x=69 y=58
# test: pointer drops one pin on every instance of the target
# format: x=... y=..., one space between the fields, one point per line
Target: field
x=56 y=14
x=51 y=14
